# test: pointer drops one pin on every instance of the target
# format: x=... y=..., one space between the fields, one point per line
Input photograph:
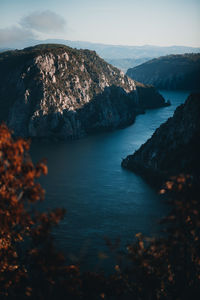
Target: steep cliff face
x=169 y=72
x=173 y=148
x=57 y=91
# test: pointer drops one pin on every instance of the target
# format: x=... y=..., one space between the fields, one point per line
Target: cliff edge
x=56 y=91
x=174 y=147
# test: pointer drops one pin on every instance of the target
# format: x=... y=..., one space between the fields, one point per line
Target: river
x=101 y=198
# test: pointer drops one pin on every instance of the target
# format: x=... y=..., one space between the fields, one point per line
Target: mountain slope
x=169 y=72
x=173 y=148
x=54 y=90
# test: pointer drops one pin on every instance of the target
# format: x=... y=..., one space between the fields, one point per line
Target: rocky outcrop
x=174 y=147
x=170 y=72
x=57 y=91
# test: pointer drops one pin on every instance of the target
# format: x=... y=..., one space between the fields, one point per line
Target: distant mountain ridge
x=120 y=56
x=107 y=51
x=125 y=63
x=56 y=91
x=170 y=72
x=121 y=52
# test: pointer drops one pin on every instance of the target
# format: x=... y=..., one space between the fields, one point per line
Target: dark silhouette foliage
x=29 y=264
x=169 y=267
x=163 y=268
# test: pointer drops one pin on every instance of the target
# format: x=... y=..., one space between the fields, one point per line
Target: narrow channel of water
x=101 y=198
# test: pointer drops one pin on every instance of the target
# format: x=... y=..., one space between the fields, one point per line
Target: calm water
x=101 y=198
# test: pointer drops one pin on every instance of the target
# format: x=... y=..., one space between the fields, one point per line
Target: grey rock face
x=173 y=148
x=57 y=91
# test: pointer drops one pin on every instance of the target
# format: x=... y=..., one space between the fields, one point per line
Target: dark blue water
x=101 y=198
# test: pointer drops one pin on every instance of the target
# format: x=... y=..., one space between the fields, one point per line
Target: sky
x=119 y=22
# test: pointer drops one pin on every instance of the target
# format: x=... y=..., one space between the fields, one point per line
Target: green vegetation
x=170 y=72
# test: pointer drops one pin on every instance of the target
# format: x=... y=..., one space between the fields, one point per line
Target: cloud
x=32 y=26
x=44 y=22
x=14 y=35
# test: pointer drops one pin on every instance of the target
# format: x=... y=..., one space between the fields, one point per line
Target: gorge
x=61 y=93
x=102 y=198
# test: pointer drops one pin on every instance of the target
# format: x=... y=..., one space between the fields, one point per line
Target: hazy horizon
x=121 y=45
x=131 y=23
x=106 y=44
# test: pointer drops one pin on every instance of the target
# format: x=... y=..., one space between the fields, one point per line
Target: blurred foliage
x=31 y=268
x=29 y=263
x=169 y=267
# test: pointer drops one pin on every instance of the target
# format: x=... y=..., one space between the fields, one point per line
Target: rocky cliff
x=170 y=72
x=174 y=147
x=56 y=91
